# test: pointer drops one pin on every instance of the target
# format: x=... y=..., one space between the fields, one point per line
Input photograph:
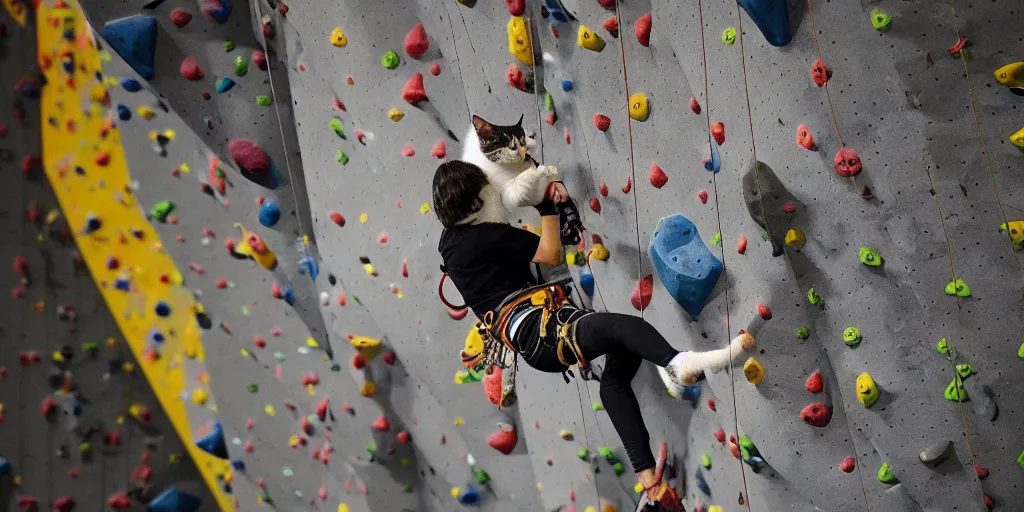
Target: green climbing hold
x=813 y=298
x=406 y=488
x=880 y=20
x=959 y=288
x=583 y=453
x=229 y=45
x=802 y=333
x=870 y=257
x=745 y=445
x=482 y=477
x=161 y=210
x=1020 y=459
x=597 y=406
x=253 y=388
x=885 y=474
x=943 y=346
x=716 y=239
x=341 y=157
x=965 y=370
x=729 y=35
x=1020 y=351
x=263 y=101
x=90 y=346
x=606 y=452
x=85 y=447
x=955 y=390
x=241 y=66
x=549 y=102
x=705 y=460
x=851 y=336
x=335 y=367
x=389 y=60
x=337 y=127
x=618 y=468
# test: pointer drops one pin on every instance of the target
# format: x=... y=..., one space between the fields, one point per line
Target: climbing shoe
x=673 y=382
x=571 y=227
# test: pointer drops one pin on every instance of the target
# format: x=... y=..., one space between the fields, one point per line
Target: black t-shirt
x=488 y=261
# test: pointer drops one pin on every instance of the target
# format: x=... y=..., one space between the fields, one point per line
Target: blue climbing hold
x=213 y=442
x=162 y=309
x=556 y=10
x=134 y=39
x=238 y=464
x=131 y=85
x=684 y=264
x=216 y=10
x=5 y=467
x=269 y=213
x=469 y=496
x=702 y=484
x=772 y=18
x=587 y=283
x=123 y=113
x=713 y=164
x=566 y=84
x=288 y=295
x=156 y=336
x=691 y=393
x=224 y=85
x=174 y=500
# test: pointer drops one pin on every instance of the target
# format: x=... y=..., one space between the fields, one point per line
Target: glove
x=546 y=208
x=571 y=228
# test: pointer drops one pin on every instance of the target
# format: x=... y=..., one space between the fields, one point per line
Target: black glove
x=571 y=227
x=546 y=208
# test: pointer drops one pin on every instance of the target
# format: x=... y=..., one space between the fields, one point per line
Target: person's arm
x=549 y=250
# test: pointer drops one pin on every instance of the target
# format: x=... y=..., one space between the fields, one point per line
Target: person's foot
x=673 y=382
x=683 y=371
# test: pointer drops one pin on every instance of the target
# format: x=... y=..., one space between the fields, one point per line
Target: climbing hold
x=802 y=333
x=820 y=73
x=338 y=37
x=764 y=311
x=694 y=106
x=814 y=383
x=816 y=415
x=224 y=84
x=639 y=109
x=869 y=257
x=1012 y=76
x=241 y=66
x=813 y=297
x=848 y=465
x=416 y=42
x=389 y=60
x=716 y=239
x=847 y=162
x=260 y=59
x=955 y=390
x=656 y=176
x=335 y=125
x=867 y=391
x=612 y=26
x=851 y=336
x=515 y=77
x=505 y=438
x=879 y=19
x=642 y=28
x=729 y=35
x=958 y=287
x=937 y=452
x=718 y=133
x=212 y=441
x=439 y=150
x=588 y=39
x=628 y=185
x=765 y=197
x=1016 y=231
x=685 y=266
x=805 y=139
x=705 y=460
x=134 y=39
x=795 y=238
x=519 y=40
x=174 y=500
x=341 y=157
x=885 y=474
x=640 y=297
x=741 y=244
x=515 y=7
x=567 y=84
x=413 y=91
x=602 y=122
x=254 y=163
x=160 y=210
x=1017 y=138
x=263 y=100
x=943 y=346
x=190 y=69
x=252 y=246
x=771 y=18
x=269 y=214
x=598 y=252
x=381 y=424
x=712 y=162
x=408 y=150
x=216 y=10
x=179 y=17
x=753 y=371
x=595 y=205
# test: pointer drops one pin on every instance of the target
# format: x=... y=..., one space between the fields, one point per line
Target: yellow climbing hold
x=395 y=115
x=293 y=441
x=342 y=507
x=599 y=252
x=364 y=218
x=312 y=343
x=1018 y=138
x=589 y=39
x=473 y=347
x=369 y=269
x=753 y=371
x=253 y=246
x=714 y=508
x=456 y=491
x=18 y=10
x=1016 y=230
x=459 y=421
x=425 y=208
x=269 y=409
x=338 y=37
x=519 y=41
x=368 y=347
x=795 y=239
x=867 y=391
x=639 y=109
x=368 y=389
x=638 y=487
x=146 y=112
x=200 y=396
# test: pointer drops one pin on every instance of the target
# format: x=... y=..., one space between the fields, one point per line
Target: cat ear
x=520 y=123
x=483 y=129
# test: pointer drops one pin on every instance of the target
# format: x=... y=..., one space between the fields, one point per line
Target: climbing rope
x=828 y=95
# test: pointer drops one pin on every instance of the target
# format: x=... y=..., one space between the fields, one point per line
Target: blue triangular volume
x=687 y=268
x=213 y=442
x=134 y=39
x=174 y=500
x=772 y=18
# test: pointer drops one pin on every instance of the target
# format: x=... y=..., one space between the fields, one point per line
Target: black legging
x=626 y=341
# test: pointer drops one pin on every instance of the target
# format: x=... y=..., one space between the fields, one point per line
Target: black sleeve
x=515 y=244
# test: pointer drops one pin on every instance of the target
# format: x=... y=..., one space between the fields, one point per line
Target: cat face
x=502 y=144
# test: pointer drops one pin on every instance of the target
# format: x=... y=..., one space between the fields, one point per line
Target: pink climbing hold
x=595 y=204
x=568 y=138
x=551 y=118
x=435 y=69
x=657 y=177
x=628 y=186
x=381 y=424
x=711 y=405
x=360 y=136
x=337 y=218
x=602 y=122
x=694 y=106
x=336 y=103
x=259 y=59
x=612 y=26
x=641 y=295
x=814 y=382
x=416 y=42
x=820 y=73
x=720 y=436
x=249 y=156
x=190 y=69
x=847 y=162
x=764 y=312
x=322 y=492
x=389 y=356
x=408 y=150
x=492 y=384
x=805 y=139
x=402 y=437
x=439 y=150
x=515 y=7
x=817 y=415
x=702 y=194
x=405 y=268
x=848 y=465
x=741 y=244
x=718 y=133
x=180 y=17
x=382 y=238
x=604 y=189
x=413 y=91
x=642 y=28
x=981 y=472
x=515 y=77
x=504 y=440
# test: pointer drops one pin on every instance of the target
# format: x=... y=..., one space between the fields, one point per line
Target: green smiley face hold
x=851 y=336
x=729 y=35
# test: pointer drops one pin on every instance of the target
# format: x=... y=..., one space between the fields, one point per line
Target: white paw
x=549 y=171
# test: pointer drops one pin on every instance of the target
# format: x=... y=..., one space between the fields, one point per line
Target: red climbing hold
x=816 y=415
x=628 y=186
x=607 y=4
x=694 y=106
x=503 y=440
x=847 y=162
x=805 y=139
x=741 y=244
x=866 y=193
x=720 y=436
x=180 y=17
x=358 y=361
x=789 y=207
x=702 y=194
x=389 y=356
x=551 y=118
x=820 y=73
x=435 y=69
x=492 y=384
x=515 y=7
x=408 y=150
x=657 y=177
x=190 y=69
x=764 y=312
x=814 y=382
x=336 y=103
x=402 y=437
x=642 y=28
x=981 y=472
x=416 y=42
x=103 y=159
x=612 y=26
x=641 y=295
x=595 y=204
x=20 y=265
x=848 y=465
x=568 y=138
x=604 y=189
x=439 y=150
x=413 y=92
x=711 y=405
x=249 y=156
x=337 y=219
x=515 y=77
x=989 y=503
x=602 y=122
x=67 y=503
x=718 y=133
x=259 y=59
x=381 y=424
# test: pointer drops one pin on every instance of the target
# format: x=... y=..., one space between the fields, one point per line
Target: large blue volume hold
x=772 y=18
x=213 y=442
x=134 y=39
x=174 y=500
x=687 y=269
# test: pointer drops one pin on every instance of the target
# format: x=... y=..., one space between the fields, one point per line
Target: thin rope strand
x=828 y=95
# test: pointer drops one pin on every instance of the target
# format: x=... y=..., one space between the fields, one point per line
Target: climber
x=490 y=265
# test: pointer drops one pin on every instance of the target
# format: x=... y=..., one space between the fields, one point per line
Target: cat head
x=503 y=144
